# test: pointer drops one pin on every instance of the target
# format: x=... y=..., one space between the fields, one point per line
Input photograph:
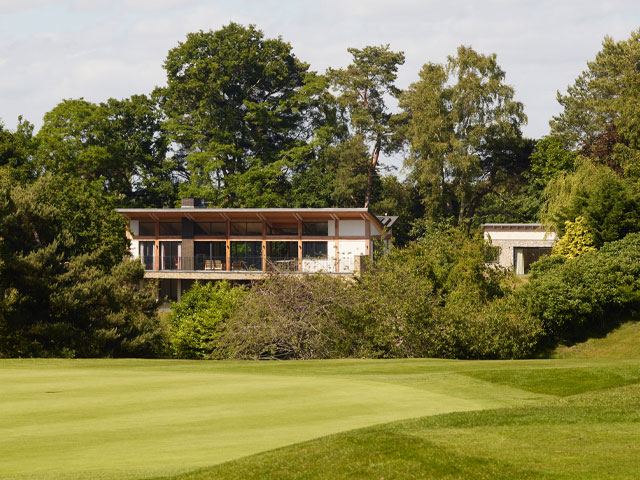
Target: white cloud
x=103 y=49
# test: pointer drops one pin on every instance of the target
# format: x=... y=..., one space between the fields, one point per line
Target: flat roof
x=133 y=213
x=536 y=225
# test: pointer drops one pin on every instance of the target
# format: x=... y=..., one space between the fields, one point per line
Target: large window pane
x=146 y=252
x=282 y=229
x=171 y=229
x=147 y=229
x=210 y=228
x=246 y=255
x=315 y=229
x=314 y=249
x=170 y=255
x=246 y=228
x=210 y=255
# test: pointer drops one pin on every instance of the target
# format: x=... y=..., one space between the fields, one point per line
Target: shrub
x=291 y=317
x=573 y=296
x=198 y=320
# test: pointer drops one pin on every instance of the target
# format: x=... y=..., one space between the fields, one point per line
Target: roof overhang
x=248 y=214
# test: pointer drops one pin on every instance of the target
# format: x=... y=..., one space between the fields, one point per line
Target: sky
x=98 y=49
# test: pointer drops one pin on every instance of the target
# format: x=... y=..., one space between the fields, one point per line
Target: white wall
x=332 y=228
x=134 y=227
x=519 y=235
x=347 y=250
x=351 y=228
x=135 y=251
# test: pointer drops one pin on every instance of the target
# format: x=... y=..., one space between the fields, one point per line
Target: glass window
x=147 y=229
x=146 y=254
x=170 y=255
x=170 y=228
x=315 y=229
x=246 y=255
x=282 y=229
x=525 y=256
x=210 y=255
x=282 y=249
x=210 y=228
x=314 y=249
x=246 y=228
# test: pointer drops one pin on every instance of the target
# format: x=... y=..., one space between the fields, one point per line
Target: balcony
x=172 y=266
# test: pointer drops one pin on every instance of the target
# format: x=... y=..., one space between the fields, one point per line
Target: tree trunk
x=372 y=168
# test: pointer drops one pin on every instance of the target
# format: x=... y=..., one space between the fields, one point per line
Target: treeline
x=242 y=122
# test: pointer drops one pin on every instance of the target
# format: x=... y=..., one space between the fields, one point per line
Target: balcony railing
x=282 y=264
x=204 y=263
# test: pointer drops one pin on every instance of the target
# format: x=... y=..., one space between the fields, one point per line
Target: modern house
x=520 y=244
x=180 y=245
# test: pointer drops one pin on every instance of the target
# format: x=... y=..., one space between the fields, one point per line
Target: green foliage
x=438 y=298
x=118 y=144
x=64 y=289
x=199 y=318
x=577 y=239
x=551 y=159
x=579 y=296
x=17 y=151
x=237 y=103
x=601 y=108
x=362 y=88
x=463 y=128
x=609 y=204
x=289 y=317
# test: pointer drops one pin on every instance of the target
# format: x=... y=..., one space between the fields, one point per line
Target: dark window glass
x=210 y=228
x=246 y=255
x=246 y=228
x=171 y=228
x=282 y=229
x=282 y=249
x=147 y=229
x=210 y=256
x=314 y=249
x=170 y=256
x=315 y=229
x=146 y=254
x=169 y=289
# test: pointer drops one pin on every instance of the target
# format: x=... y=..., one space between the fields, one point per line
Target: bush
x=439 y=298
x=198 y=320
x=573 y=297
x=291 y=317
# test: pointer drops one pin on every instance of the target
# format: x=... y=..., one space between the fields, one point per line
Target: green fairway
x=149 y=418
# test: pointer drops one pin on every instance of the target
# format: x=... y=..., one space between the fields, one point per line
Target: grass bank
x=110 y=419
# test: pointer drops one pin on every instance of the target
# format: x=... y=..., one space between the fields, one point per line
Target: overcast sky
x=96 y=49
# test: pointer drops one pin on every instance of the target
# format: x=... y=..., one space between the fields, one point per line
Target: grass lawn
x=108 y=419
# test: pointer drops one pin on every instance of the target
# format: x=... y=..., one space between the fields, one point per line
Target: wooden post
x=228 y=246
x=336 y=244
x=367 y=234
x=156 y=260
x=264 y=246
x=299 y=245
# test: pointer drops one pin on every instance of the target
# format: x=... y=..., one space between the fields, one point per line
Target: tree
x=64 y=288
x=609 y=204
x=17 y=151
x=120 y=144
x=577 y=239
x=362 y=88
x=237 y=103
x=199 y=318
x=601 y=109
x=463 y=128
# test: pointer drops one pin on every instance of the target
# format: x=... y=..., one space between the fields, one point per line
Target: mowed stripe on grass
x=136 y=418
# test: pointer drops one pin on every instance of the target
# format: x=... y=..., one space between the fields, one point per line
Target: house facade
x=519 y=244
x=180 y=245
